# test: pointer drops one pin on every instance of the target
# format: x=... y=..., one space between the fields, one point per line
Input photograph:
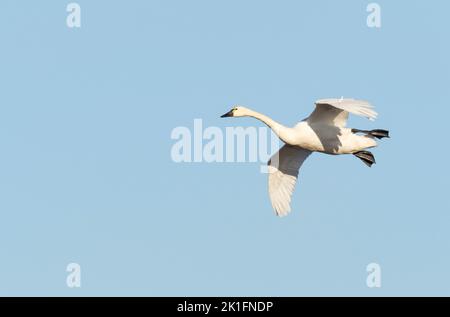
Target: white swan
x=323 y=131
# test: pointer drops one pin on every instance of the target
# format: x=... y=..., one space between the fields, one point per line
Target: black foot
x=378 y=133
x=366 y=157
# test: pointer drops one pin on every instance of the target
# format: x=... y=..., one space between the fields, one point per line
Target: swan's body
x=328 y=139
x=323 y=131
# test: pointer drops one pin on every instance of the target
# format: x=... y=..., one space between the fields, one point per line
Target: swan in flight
x=323 y=131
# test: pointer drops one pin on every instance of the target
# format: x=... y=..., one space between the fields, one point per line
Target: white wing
x=283 y=171
x=335 y=111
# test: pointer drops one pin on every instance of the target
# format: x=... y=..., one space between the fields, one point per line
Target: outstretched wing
x=283 y=171
x=335 y=111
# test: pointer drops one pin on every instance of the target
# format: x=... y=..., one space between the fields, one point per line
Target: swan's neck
x=284 y=133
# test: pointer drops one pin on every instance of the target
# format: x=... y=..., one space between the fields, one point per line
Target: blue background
x=86 y=174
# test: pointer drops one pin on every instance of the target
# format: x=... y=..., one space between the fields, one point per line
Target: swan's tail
x=378 y=133
x=365 y=156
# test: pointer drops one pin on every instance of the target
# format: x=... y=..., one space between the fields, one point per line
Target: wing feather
x=283 y=172
x=335 y=111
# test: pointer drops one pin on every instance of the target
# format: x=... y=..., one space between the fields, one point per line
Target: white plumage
x=323 y=131
x=284 y=167
x=358 y=107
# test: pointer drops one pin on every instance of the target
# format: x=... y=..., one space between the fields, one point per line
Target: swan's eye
x=234 y=109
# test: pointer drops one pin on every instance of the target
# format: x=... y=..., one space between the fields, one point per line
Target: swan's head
x=237 y=111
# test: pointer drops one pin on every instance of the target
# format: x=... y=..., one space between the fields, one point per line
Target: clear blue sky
x=86 y=174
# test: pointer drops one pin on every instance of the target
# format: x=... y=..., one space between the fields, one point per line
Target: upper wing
x=283 y=171
x=335 y=111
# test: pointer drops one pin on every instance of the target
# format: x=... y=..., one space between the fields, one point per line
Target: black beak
x=228 y=114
